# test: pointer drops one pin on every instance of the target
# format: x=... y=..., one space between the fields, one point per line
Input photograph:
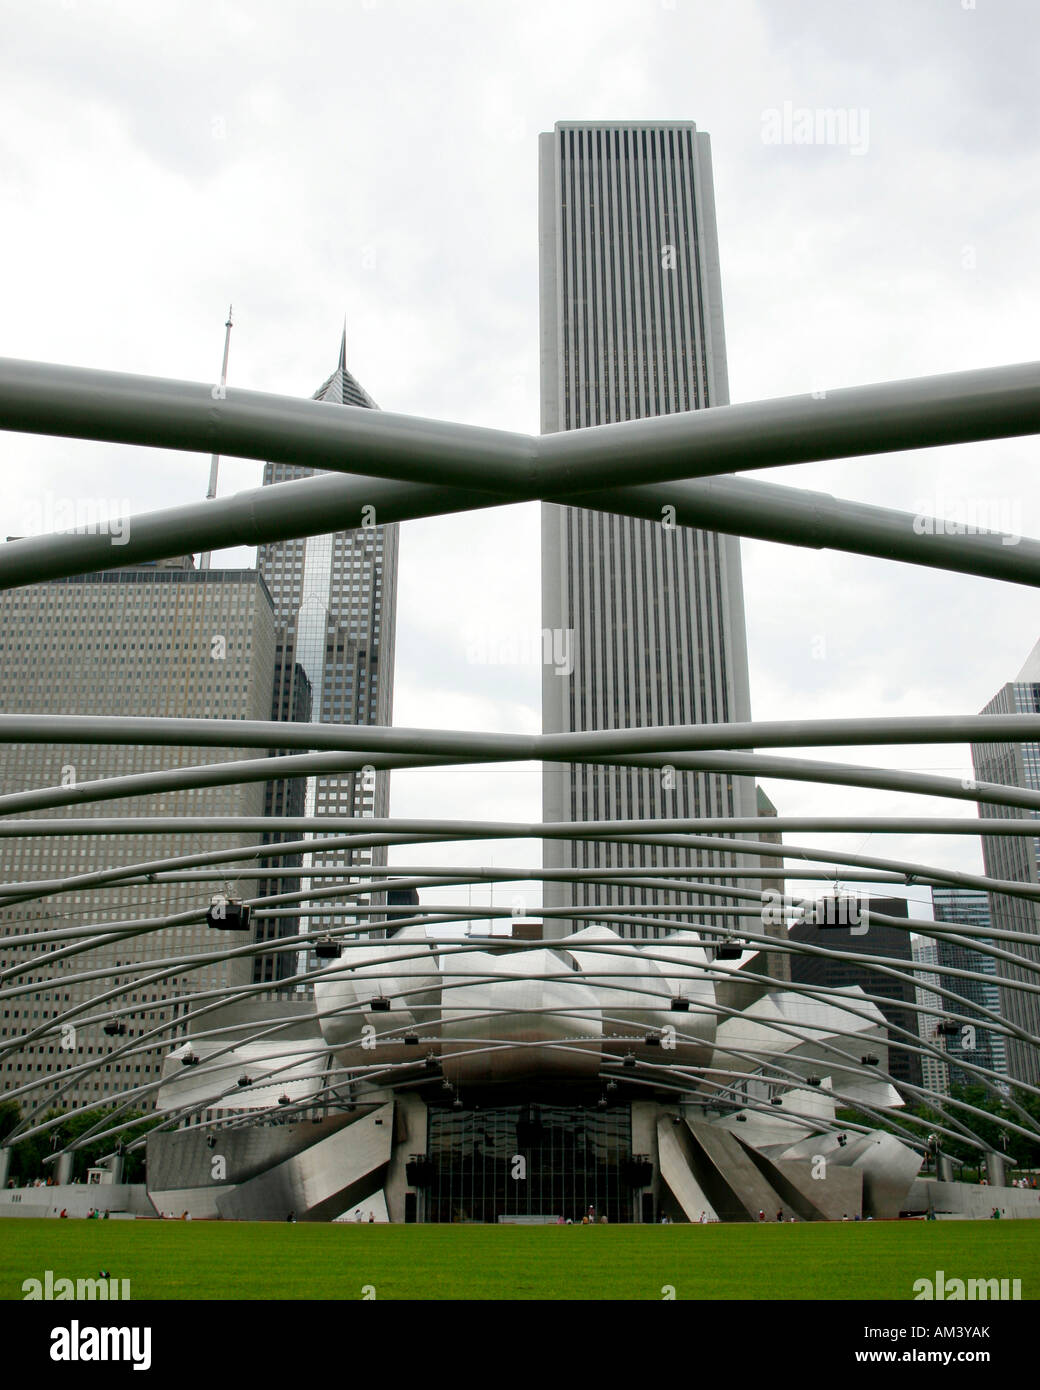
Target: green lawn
x=216 y=1260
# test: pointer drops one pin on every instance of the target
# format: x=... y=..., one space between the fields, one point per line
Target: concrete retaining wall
x=77 y=1199
x=971 y=1201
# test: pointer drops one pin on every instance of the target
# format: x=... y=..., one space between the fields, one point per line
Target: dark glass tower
x=898 y=997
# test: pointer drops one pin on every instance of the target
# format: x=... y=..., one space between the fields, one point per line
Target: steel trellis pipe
x=459 y=744
x=960 y=407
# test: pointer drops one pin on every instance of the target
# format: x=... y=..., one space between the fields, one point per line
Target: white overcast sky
x=378 y=159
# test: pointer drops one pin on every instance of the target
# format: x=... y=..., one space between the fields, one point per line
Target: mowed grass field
x=217 y=1260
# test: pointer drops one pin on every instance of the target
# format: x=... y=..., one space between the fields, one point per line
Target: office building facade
x=773 y=915
x=935 y=1073
x=980 y=1044
x=1015 y=858
x=631 y=326
x=162 y=640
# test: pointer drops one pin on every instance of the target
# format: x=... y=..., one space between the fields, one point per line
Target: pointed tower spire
x=214 y=462
x=341 y=388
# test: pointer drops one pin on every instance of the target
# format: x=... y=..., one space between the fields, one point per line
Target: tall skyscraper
x=1015 y=858
x=967 y=907
x=165 y=640
x=631 y=326
x=335 y=601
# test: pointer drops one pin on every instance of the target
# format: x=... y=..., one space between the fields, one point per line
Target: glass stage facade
x=532 y=1162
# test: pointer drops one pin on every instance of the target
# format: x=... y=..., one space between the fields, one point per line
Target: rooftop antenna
x=214 y=463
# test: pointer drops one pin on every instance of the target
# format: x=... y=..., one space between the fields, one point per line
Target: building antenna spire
x=343 y=346
x=214 y=463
